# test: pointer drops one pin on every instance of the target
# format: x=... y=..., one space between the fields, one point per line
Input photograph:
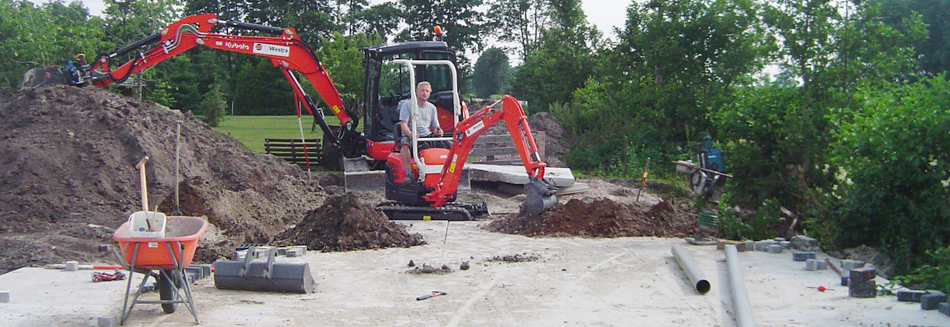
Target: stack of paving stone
x=776 y=245
x=929 y=300
x=861 y=283
x=263 y=251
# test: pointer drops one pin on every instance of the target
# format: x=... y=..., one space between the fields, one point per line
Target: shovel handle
x=141 y=167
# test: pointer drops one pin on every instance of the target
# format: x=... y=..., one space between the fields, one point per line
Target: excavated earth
x=68 y=179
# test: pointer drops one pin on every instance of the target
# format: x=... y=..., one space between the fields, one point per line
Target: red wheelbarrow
x=168 y=255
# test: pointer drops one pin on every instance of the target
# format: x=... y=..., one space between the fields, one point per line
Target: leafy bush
x=895 y=190
x=932 y=276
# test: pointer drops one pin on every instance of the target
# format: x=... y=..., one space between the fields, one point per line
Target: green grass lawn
x=252 y=130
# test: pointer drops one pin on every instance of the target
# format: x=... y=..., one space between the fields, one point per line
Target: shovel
x=267 y=276
x=539 y=195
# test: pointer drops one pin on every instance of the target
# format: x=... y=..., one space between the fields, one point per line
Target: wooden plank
x=266 y=140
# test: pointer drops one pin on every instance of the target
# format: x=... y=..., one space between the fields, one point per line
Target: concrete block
x=811 y=265
x=282 y=251
x=750 y=245
x=72 y=265
x=106 y=321
x=821 y=265
x=845 y=279
x=910 y=295
x=802 y=256
x=862 y=274
x=930 y=300
x=851 y=264
x=4 y=296
x=205 y=270
x=303 y=248
x=786 y=244
x=775 y=248
x=804 y=243
x=195 y=272
x=866 y=290
x=240 y=255
x=763 y=245
x=944 y=308
x=779 y=239
x=294 y=252
x=261 y=251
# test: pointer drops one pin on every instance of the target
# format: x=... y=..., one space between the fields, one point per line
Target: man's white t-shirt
x=428 y=117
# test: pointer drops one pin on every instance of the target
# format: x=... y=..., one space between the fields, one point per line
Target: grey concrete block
x=802 y=256
x=196 y=272
x=944 y=308
x=4 y=296
x=930 y=300
x=851 y=264
x=910 y=295
x=862 y=274
x=107 y=321
x=804 y=243
x=205 y=269
x=294 y=252
x=282 y=251
x=866 y=289
x=775 y=248
x=786 y=244
x=821 y=265
x=763 y=245
x=750 y=245
x=71 y=265
x=811 y=265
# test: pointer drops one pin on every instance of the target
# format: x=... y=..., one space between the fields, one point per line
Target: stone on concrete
x=867 y=289
x=811 y=265
x=775 y=248
x=750 y=245
x=804 y=243
x=930 y=300
x=851 y=264
x=4 y=296
x=295 y=252
x=786 y=244
x=802 y=256
x=862 y=274
x=108 y=321
x=910 y=295
x=763 y=245
x=72 y=265
x=282 y=251
x=944 y=308
x=821 y=265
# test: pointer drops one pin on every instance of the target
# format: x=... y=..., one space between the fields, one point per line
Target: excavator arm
x=540 y=194
x=286 y=51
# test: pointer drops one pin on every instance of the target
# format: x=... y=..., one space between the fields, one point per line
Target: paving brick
x=944 y=308
x=845 y=279
x=821 y=265
x=775 y=248
x=4 y=296
x=763 y=245
x=862 y=274
x=802 y=256
x=910 y=295
x=867 y=289
x=930 y=300
x=811 y=265
x=295 y=252
x=750 y=245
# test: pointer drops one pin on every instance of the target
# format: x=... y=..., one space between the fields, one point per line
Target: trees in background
x=491 y=73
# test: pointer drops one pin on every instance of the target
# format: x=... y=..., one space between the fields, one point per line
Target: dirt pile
x=343 y=224
x=602 y=218
x=67 y=176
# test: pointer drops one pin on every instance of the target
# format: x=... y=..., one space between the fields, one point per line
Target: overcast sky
x=605 y=14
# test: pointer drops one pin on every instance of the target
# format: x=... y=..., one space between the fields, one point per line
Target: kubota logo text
x=270 y=49
x=239 y=46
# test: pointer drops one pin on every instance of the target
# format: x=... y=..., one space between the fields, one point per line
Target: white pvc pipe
x=692 y=270
x=740 y=299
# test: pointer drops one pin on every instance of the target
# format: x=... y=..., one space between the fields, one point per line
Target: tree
x=519 y=21
x=212 y=107
x=460 y=20
x=563 y=60
x=380 y=19
x=933 y=54
x=491 y=73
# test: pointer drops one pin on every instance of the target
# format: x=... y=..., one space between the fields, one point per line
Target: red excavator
x=390 y=72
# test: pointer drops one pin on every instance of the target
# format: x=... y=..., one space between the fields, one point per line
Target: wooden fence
x=292 y=150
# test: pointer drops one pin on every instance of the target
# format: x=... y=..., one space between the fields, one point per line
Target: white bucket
x=147 y=224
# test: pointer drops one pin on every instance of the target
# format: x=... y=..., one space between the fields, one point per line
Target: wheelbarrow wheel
x=166 y=290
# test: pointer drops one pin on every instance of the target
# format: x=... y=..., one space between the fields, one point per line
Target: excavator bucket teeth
x=539 y=196
x=41 y=76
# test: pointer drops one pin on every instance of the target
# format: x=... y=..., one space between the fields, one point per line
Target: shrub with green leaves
x=894 y=187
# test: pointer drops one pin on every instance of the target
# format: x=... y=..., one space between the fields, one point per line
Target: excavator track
x=450 y=211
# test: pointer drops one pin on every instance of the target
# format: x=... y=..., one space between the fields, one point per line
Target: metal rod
x=643 y=182
x=692 y=270
x=740 y=298
x=177 y=164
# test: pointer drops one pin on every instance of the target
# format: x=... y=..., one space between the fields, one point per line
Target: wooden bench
x=292 y=150
x=500 y=149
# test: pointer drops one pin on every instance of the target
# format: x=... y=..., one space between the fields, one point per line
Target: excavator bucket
x=539 y=196
x=41 y=76
x=260 y=276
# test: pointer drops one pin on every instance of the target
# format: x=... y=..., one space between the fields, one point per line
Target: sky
x=605 y=14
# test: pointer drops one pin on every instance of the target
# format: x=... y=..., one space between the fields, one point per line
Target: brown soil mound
x=67 y=176
x=343 y=224
x=601 y=218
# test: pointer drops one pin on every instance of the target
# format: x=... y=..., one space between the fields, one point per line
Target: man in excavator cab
x=426 y=125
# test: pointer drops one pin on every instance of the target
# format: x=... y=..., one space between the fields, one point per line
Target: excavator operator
x=426 y=123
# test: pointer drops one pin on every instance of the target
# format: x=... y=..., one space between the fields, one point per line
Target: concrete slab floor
x=575 y=282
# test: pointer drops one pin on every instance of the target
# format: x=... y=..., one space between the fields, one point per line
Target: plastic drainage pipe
x=692 y=271
x=740 y=299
